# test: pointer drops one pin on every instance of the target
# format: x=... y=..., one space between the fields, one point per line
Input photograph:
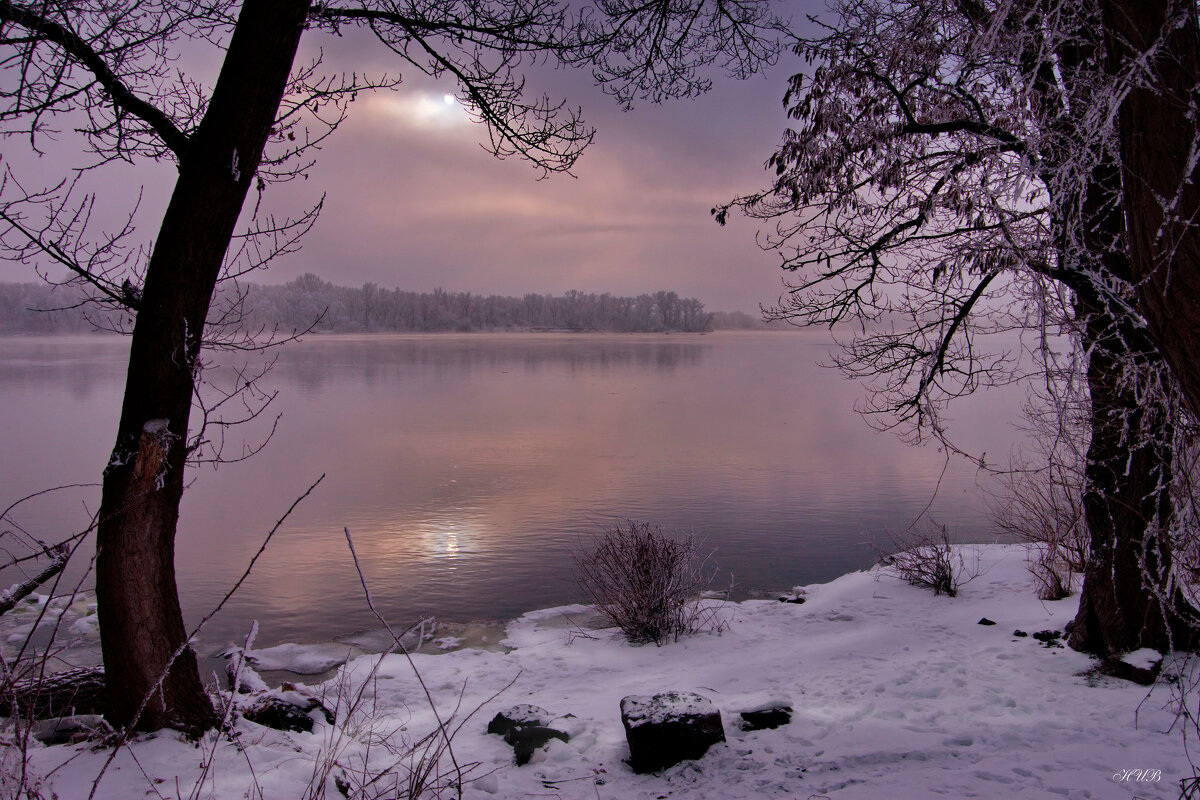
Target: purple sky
x=413 y=201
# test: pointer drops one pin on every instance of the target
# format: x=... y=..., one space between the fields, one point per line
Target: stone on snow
x=667 y=728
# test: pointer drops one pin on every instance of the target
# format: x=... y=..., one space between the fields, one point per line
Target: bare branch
x=45 y=29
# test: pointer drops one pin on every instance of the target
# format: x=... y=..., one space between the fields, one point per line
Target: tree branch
x=79 y=50
x=19 y=591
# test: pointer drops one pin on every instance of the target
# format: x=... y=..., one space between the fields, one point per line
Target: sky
x=411 y=199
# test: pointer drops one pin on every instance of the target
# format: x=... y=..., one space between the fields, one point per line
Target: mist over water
x=471 y=468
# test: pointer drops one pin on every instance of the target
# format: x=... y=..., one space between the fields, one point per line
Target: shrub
x=1043 y=508
x=927 y=559
x=646 y=582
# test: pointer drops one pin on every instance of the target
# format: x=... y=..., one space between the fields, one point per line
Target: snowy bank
x=897 y=693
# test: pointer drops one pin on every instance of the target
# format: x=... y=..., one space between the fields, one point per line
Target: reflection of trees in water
x=77 y=365
x=311 y=365
x=82 y=367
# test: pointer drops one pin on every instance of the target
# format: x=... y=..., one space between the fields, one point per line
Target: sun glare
x=420 y=109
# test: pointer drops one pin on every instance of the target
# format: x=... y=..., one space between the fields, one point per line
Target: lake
x=471 y=469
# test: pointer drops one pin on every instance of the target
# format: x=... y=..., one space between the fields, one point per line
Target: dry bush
x=1039 y=501
x=926 y=558
x=646 y=582
x=369 y=754
x=1043 y=508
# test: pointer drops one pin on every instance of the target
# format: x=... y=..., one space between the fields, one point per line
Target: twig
x=404 y=651
x=19 y=591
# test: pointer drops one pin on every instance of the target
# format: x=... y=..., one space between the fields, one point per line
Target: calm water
x=471 y=468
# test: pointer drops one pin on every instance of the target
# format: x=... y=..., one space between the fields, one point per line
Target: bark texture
x=1125 y=602
x=150 y=672
x=1158 y=130
x=1128 y=601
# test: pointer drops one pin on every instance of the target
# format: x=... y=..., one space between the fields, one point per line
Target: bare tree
x=946 y=183
x=109 y=70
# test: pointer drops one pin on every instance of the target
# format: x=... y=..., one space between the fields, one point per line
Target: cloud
x=421 y=110
x=413 y=199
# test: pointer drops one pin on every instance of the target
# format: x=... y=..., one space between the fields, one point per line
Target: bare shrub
x=646 y=582
x=926 y=558
x=1044 y=510
x=1040 y=500
x=368 y=754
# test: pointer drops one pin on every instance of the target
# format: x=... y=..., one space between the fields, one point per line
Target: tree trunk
x=150 y=672
x=1125 y=603
x=1158 y=131
x=1127 y=600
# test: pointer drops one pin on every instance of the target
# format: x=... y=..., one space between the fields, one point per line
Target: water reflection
x=78 y=365
x=325 y=361
x=470 y=469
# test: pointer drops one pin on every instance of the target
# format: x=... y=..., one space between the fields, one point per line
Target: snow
x=1144 y=658
x=640 y=709
x=896 y=693
x=302 y=659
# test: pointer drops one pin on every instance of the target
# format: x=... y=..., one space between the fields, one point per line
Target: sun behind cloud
x=419 y=109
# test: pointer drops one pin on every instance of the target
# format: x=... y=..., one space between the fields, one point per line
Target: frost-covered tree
x=1153 y=58
x=947 y=180
x=111 y=73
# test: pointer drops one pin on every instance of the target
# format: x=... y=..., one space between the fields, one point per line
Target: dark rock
x=792 y=598
x=527 y=738
x=1020 y=633
x=281 y=714
x=668 y=728
x=1049 y=638
x=67 y=730
x=525 y=728
x=766 y=718
x=1116 y=668
x=518 y=716
x=986 y=621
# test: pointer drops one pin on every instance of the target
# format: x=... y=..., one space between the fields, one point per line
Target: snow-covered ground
x=897 y=694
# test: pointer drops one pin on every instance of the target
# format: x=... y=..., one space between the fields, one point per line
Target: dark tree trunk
x=1158 y=131
x=1127 y=602
x=141 y=624
x=1127 y=475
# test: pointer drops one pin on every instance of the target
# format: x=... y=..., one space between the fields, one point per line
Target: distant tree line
x=42 y=308
x=310 y=302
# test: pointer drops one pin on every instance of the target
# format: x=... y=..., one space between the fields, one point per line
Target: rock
x=1049 y=638
x=766 y=718
x=527 y=738
x=525 y=728
x=283 y=714
x=518 y=716
x=668 y=728
x=797 y=595
x=986 y=621
x=1116 y=668
x=1020 y=633
x=67 y=730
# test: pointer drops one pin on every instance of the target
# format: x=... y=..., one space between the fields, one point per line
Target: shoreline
x=896 y=692
x=287 y=661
